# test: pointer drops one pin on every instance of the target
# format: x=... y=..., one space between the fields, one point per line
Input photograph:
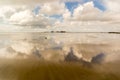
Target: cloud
x=6 y=12
x=87 y=12
x=28 y=18
x=23 y=16
x=80 y=1
x=24 y=2
x=112 y=13
x=54 y=8
x=84 y=12
x=110 y=17
x=112 y=5
x=33 y=2
x=21 y=13
x=67 y=15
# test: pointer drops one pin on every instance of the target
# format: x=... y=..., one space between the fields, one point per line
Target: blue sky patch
x=71 y=6
x=36 y=10
x=99 y=5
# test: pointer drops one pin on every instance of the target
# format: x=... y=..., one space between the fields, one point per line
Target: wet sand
x=35 y=70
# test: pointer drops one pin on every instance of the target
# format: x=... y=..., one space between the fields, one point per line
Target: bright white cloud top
x=55 y=15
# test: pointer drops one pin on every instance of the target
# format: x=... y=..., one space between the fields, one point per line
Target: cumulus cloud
x=84 y=12
x=23 y=16
x=84 y=15
x=54 y=8
x=6 y=12
x=67 y=15
x=28 y=18
x=87 y=12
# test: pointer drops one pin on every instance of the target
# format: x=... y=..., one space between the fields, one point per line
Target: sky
x=68 y=15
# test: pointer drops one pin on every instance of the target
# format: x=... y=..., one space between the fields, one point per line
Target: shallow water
x=24 y=53
x=87 y=44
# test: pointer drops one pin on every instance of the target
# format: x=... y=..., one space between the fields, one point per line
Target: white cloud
x=112 y=14
x=24 y=2
x=80 y=1
x=113 y=5
x=53 y=8
x=32 y=2
x=110 y=17
x=67 y=15
x=21 y=17
x=6 y=12
x=86 y=26
x=28 y=18
x=87 y=12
